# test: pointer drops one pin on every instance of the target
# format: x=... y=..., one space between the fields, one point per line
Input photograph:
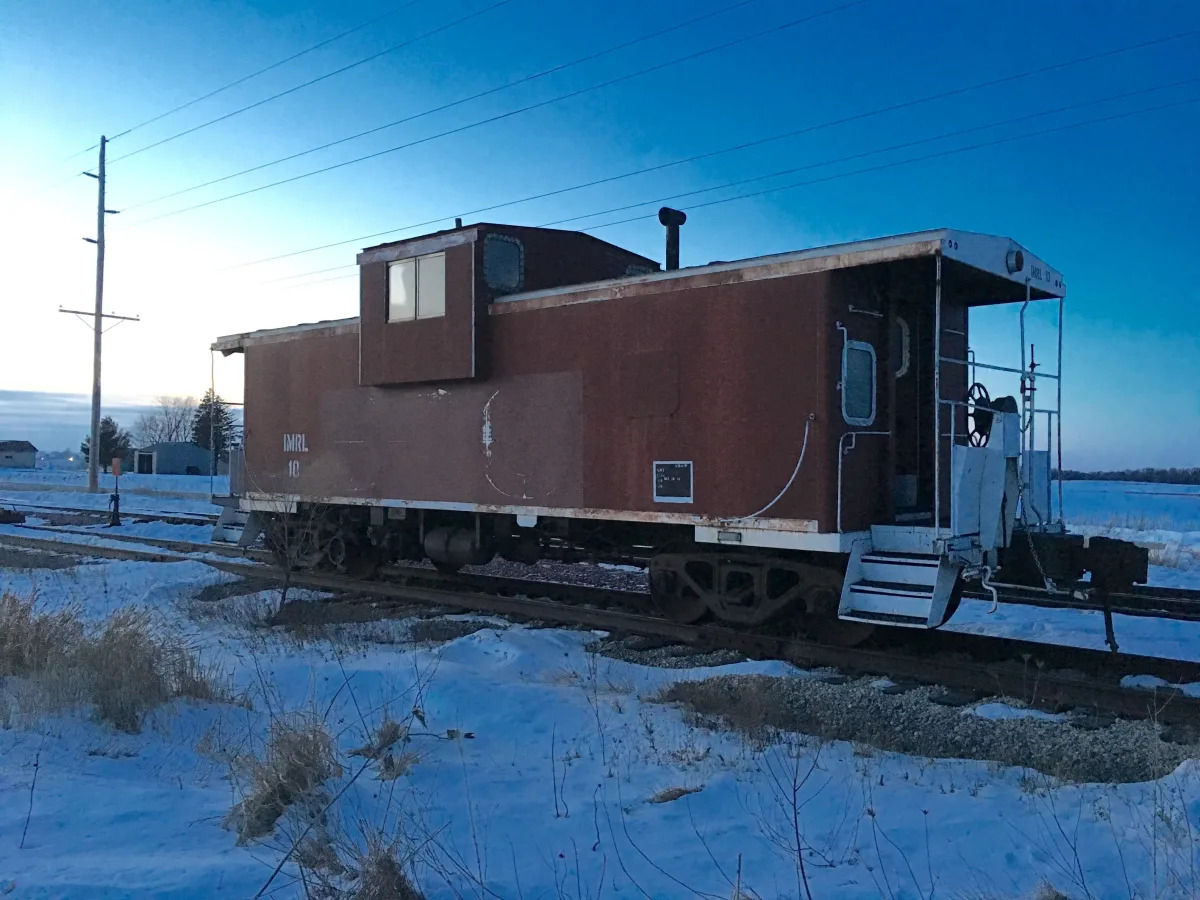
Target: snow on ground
x=1138 y=635
x=139 y=493
x=130 y=503
x=1166 y=517
x=193 y=485
x=1174 y=507
x=572 y=782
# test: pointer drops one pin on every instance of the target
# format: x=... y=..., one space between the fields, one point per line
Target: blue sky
x=1110 y=204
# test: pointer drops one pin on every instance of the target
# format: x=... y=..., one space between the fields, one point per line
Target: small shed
x=17 y=455
x=173 y=458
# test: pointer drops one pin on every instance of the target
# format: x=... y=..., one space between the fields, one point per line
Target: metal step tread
x=901 y=556
x=880 y=618
x=890 y=562
x=893 y=587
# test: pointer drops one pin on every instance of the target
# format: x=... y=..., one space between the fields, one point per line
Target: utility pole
x=98 y=324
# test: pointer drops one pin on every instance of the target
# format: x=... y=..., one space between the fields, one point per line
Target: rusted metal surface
x=422 y=350
x=456 y=345
x=563 y=398
x=580 y=403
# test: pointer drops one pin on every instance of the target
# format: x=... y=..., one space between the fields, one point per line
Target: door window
x=858 y=383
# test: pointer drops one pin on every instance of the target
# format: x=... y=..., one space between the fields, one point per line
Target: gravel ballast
x=909 y=722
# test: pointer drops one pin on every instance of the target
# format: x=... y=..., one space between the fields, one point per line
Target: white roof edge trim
x=233 y=342
x=985 y=252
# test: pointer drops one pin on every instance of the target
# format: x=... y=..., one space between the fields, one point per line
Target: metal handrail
x=979 y=365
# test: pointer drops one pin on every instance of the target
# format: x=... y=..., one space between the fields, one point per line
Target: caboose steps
x=892 y=587
x=230 y=523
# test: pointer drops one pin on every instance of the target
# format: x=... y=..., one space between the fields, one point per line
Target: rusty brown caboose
x=782 y=430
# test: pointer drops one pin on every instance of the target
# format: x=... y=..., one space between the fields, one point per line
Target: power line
x=264 y=70
x=916 y=159
x=658 y=66
x=313 y=81
x=828 y=162
x=245 y=78
x=736 y=147
x=503 y=87
x=902 y=146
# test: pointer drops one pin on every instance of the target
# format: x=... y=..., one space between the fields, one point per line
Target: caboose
x=800 y=435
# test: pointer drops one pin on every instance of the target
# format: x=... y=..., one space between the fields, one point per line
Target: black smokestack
x=672 y=219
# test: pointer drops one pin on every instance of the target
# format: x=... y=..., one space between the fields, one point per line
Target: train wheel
x=822 y=622
x=677 y=600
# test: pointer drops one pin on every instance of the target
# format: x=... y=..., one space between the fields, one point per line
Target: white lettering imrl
x=295 y=443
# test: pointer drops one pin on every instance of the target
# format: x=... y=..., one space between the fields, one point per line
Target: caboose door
x=911 y=348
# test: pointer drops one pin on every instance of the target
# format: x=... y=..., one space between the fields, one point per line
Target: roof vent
x=672 y=219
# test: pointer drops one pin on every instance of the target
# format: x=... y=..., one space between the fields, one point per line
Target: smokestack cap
x=669 y=217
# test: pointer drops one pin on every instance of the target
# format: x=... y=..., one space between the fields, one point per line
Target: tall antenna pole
x=98 y=328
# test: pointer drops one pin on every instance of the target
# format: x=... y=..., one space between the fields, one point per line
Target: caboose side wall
x=581 y=402
x=723 y=376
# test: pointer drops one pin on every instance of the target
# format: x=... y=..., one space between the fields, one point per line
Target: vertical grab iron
x=937 y=398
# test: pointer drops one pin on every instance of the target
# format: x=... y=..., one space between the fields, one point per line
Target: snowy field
x=139 y=493
x=507 y=761
x=76 y=481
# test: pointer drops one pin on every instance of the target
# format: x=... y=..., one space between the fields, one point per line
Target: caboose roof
x=989 y=255
x=993 y=258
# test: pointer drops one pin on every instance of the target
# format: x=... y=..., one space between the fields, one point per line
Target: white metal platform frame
x=909 y=576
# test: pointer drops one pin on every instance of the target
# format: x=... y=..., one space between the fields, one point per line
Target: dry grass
x=122 y=667
x=300 y=755
x=1044 y=891
x=343 y=870
x=750 y=710
x=381 y=874
x=674 y=793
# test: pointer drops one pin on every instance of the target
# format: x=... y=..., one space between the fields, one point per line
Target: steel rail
x=1028 y=676
x=142 y=515
x=1158 y=603
x=1148 y=602
x=1042 y=688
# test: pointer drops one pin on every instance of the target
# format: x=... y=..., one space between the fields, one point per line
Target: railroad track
x=1143 y=600
x=1048 y=677
x=138 y=515
x=1152 y=602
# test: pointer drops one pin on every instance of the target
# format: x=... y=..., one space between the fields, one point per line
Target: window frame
x=860 y=346
x=420 y=265
x=905 y=348
x=415 y=263
x=495 y=239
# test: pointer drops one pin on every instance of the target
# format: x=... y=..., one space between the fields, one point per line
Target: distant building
x=17 y=455
x=172 y=458
x=61 y=459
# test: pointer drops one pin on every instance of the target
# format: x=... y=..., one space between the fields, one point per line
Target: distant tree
x=170 y=421
x=213 y=419
x=115 y=443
